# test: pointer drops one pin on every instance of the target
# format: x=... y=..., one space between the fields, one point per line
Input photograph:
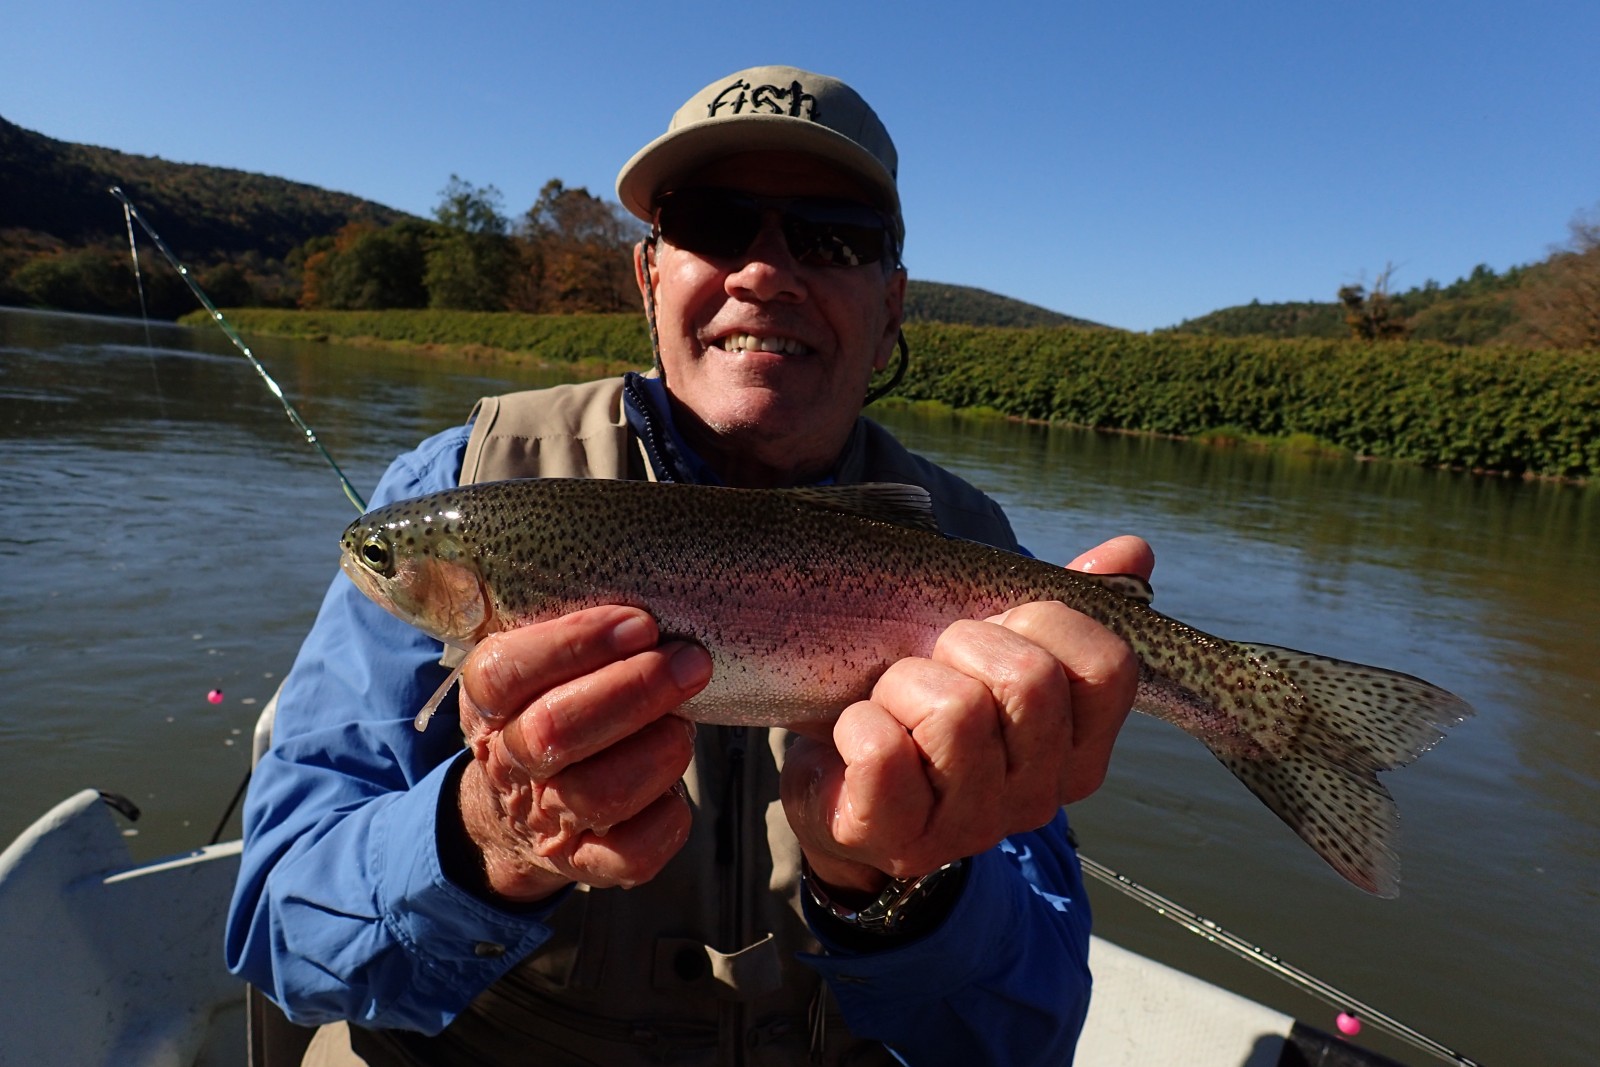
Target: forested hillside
x=64 y=233
x=1555 y=302
x=263 y=241
x=59 y=189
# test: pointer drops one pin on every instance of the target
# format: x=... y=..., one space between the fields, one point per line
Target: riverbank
x=1517 y=412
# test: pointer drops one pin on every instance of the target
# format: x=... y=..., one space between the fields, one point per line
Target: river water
x=166 y=533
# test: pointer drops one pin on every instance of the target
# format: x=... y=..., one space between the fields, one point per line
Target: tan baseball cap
x=767 y=109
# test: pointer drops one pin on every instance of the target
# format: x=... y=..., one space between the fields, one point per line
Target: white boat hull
x=116 y=964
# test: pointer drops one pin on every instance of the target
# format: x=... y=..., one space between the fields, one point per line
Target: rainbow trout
x=803 y=597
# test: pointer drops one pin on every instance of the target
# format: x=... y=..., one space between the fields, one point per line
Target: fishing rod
x=132 y=214
x=1307 y=983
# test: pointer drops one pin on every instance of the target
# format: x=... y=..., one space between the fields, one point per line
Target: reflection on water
x=166 y=533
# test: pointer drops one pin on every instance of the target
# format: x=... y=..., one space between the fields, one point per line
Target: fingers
x=541 y=697
x=1120 y=555
x=529 y=857
x=622 y=780
x=507 y=670
x=576 y=755
x=1005 y=721
x=1102 y=675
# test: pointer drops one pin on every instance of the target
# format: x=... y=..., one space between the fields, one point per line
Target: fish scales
x=804 y=597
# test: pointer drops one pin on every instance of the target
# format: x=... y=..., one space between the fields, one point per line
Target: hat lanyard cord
x=647 y=249
x=904 y=361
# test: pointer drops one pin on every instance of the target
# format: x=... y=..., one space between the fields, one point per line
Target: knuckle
x=960 y=694
x=487 y=676
x=533 y=745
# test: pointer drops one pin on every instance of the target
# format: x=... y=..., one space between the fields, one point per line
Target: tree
x=1560 y=299
x=312 y=259
x=575 y=253
x=469 y=259
x=227 y=285
x=464 y=207
x=92 y=280
x=366 y=267
x=1371 y=316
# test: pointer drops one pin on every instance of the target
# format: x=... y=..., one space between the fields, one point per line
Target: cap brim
x=677 y=154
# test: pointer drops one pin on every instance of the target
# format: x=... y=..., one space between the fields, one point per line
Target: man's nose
x=768 y=270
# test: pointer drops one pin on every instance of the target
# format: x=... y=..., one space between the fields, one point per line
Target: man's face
x=768 y=359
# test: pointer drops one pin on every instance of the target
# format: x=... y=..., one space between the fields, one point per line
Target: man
x=593 y=879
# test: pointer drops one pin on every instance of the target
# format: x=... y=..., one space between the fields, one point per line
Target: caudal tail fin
x=1359 y=720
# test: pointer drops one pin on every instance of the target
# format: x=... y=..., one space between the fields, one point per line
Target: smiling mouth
x=749 y=342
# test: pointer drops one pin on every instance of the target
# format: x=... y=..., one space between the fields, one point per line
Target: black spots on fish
x=1345 y=815
x=1376 y=718
x=1349 y=721
x=1306 y=733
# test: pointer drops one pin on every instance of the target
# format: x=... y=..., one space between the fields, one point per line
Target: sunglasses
x=820 y=231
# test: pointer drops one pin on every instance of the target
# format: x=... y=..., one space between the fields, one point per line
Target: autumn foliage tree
x=574 y=254
x=1371 y=316
x=1559 y=302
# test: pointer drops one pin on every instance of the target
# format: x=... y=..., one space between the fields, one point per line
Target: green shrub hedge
x=1516 y=411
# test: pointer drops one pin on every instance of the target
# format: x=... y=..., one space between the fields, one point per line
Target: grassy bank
x=1524 y=412
x=602 y=343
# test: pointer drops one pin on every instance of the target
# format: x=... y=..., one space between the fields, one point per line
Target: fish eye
x=376 y=554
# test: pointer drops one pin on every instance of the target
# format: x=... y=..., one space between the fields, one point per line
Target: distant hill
x=1255 y=319
x=965 y=305
x=58 y=190
x=1481 y=308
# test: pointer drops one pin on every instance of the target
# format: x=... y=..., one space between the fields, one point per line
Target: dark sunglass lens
x=722 y=224
x=709 y=222
x=835 y=233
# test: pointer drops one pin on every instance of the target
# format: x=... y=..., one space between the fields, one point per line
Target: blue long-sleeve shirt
x=343 y=911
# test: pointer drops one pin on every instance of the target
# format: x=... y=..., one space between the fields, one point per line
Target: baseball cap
x=771 y=108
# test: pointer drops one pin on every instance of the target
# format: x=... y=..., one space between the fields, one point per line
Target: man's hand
x=1006 y=721
x=576 y=756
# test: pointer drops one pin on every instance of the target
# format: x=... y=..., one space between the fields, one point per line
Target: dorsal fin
x=892 y=502
x=1129 y=585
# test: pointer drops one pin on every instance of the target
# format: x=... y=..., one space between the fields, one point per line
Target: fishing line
x=138 y=276
x=132 y=213
x=1307 y=983
x=144 y=312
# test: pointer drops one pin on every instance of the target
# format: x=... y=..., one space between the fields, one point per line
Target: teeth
x=746 y=342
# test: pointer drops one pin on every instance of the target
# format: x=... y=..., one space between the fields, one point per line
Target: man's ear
x=895 y=304
x=644 y=268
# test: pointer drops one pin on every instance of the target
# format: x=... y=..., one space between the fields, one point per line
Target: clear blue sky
x=1132 y=163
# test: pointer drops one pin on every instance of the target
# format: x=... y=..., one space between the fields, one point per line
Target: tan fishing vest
x=698 y=965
